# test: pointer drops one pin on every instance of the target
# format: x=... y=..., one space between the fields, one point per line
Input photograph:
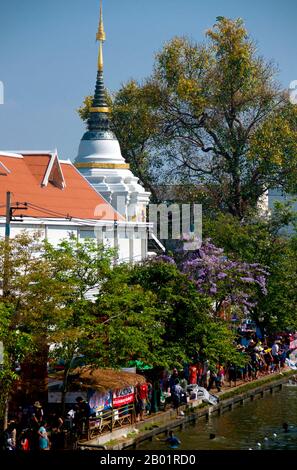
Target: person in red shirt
x=24 y=442
x=199 y=373
x=141 y=400
x=193 y=374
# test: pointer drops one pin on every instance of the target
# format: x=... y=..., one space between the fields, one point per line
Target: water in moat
x=255 y=425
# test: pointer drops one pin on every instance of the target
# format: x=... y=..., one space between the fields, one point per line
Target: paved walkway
x=227 y=387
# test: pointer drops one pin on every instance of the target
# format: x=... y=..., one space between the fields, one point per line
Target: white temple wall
x=129 y=249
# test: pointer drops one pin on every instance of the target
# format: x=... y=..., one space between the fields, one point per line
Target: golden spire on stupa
x=100 y=36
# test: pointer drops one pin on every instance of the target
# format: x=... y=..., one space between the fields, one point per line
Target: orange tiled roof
x=24 y=179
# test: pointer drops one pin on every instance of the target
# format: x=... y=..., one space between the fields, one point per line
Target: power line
x=50 y=212
x=46 y=210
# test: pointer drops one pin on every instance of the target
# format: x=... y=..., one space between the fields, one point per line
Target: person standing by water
x=43 y=437
x=82 y=414
x=176 y=394
x=141 y=400
x=275 y=355
x=205 y=371
x=214 y=379
x=10 y=437
x=57 y=434
x=24 y=442
x=193 y=374
x=172 y=378
x=35 y=423
x=149 y=397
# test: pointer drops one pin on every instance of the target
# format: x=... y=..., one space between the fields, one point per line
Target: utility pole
x=9 y=212
x=8 y=216
x=6 y=248
x=5 y=279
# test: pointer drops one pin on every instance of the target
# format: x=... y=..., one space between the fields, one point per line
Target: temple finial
x=100 y=36
x=98 y=121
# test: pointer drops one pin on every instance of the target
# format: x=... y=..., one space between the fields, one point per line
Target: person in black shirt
x=82 y=414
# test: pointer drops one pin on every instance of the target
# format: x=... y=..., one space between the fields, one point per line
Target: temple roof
x=51 y=187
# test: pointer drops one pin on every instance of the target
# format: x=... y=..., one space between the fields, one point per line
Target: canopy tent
x=139 y=365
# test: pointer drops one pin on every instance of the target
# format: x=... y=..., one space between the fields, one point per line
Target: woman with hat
x=35 y=422
x=38 y=411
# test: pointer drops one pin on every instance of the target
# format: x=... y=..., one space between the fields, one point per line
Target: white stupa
x=99 y=157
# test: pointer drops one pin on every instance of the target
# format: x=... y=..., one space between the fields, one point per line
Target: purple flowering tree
x=228 y=282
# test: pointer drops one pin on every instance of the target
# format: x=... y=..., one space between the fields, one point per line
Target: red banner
x=123 y=400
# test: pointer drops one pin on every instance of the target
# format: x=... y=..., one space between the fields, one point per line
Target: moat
x=256 y=425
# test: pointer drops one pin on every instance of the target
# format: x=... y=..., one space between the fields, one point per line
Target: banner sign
x=123 y=396
x=99 y=401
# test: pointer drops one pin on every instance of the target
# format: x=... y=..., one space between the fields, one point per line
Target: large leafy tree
x=130 y=318
x=17 y=344
x=189 y=326
x=82 y=268
x=46 y=294
x=265 y=241
x=32 y=301
x=211 y=115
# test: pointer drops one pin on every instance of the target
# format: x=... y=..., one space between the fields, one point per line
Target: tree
x=229 y=282
x=17 y=345
x=277 y=312
x=265 y=241
x=211 y=115
x=33 y=299
x=82 y=268
x=217 y=344
x=132 y=321
x=189 y=326
x=46 y=293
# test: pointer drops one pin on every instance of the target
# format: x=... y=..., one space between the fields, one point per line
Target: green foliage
x=261 y=240
x=131 y=326
x=278 y=311
x=82 y=266
x=216 y=343
x=17 y=345
x=188 y=325
x=46 y=297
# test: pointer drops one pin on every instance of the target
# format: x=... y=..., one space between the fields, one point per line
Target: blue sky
x=48 y=55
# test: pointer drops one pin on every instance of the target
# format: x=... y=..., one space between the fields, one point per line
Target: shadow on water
x=256 y=425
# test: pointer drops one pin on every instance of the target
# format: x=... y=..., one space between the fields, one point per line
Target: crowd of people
x=32 y=429
x=258 y=358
